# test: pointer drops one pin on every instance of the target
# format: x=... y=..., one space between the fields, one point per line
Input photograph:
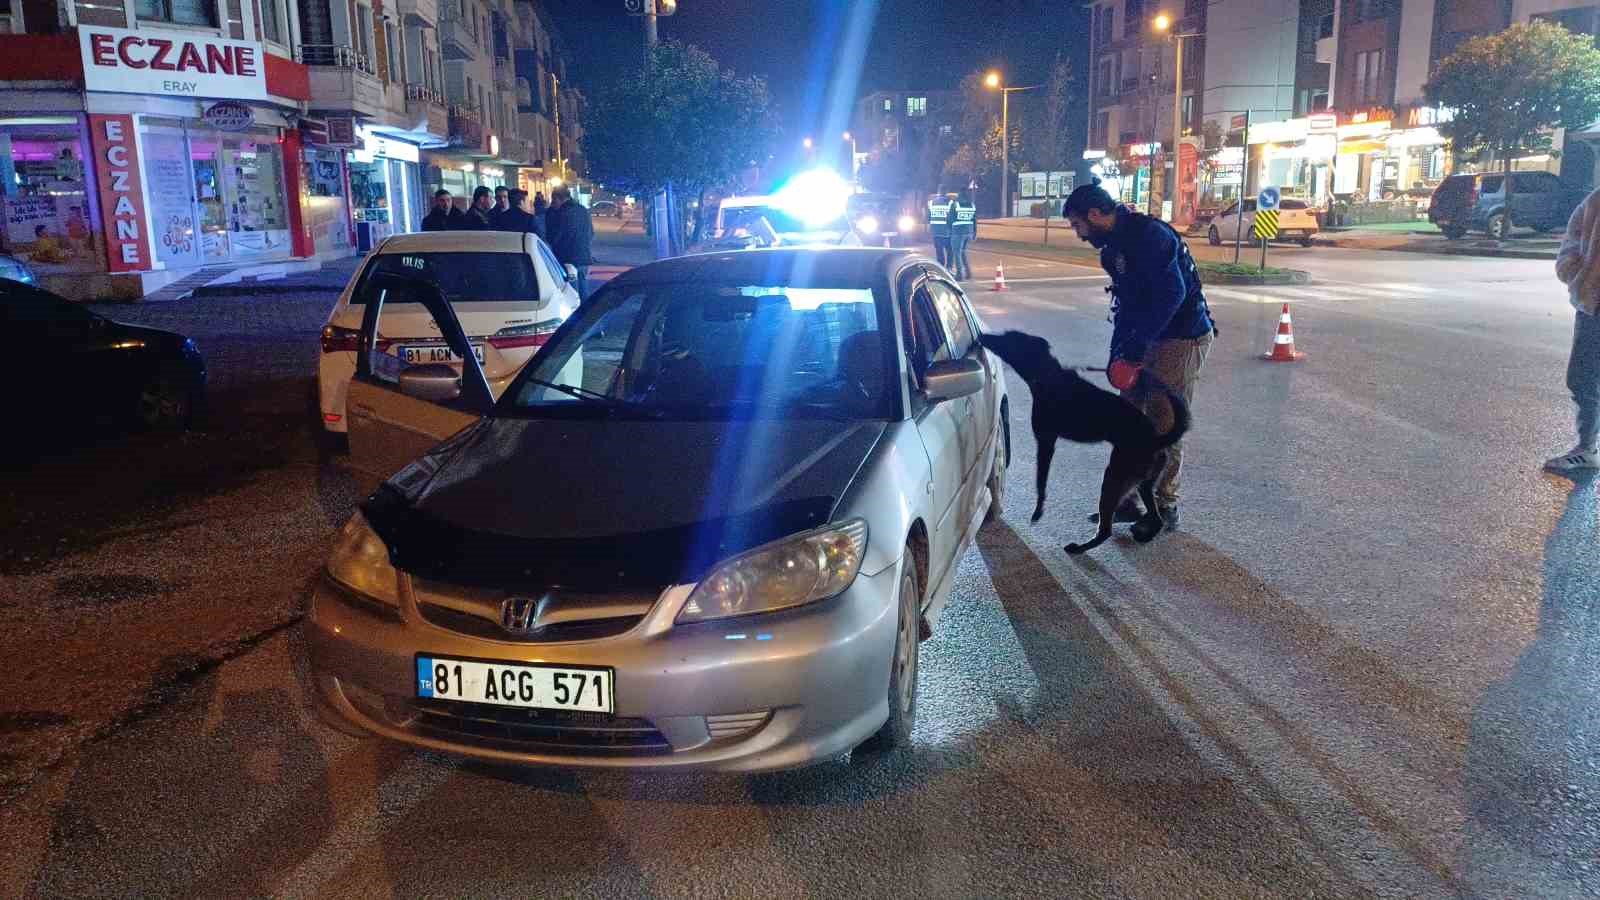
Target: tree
x=680 y=119
x=1053 y=130
x=1507 y=90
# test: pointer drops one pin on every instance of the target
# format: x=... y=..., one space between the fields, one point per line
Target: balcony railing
x=423 y=93
x=466 y=126
x=338 y=56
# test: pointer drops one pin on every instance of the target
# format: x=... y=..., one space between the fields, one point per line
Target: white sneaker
x=1577 y=459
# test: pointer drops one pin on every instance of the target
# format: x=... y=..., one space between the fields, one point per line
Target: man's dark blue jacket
x=1155 y=284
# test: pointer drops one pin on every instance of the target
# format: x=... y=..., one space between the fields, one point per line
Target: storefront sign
x=229 y=116
x=121 y=194
x=1238 y=122
x=1322 y=122
x=1425 y=116
x=374 y=146
x=1371 y=116
x=342 y=132
x=1094 y=154
x=174 y=65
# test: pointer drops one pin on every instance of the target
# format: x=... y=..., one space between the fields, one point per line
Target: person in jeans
x=1160 y=320
x=1578 y=267
x=571 y=235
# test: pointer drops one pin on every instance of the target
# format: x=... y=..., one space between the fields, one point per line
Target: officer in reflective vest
x=963 y=228
x=940 y=210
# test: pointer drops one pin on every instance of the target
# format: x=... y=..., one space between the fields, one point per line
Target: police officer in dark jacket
x=1160 y=320
x=571 y=235
x=519 y=217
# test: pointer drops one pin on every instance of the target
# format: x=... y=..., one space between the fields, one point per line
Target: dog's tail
x=1180 y=411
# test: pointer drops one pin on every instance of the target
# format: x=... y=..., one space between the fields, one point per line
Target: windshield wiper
x=593 y=396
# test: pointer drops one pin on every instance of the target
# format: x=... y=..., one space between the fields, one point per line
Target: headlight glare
x=360 y=563
x=797 y=570
x=907 y=224
x=867 y=224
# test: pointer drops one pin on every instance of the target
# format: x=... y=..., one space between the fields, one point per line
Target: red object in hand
x=1123 y=374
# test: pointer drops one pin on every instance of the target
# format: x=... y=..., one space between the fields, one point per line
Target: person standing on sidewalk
x=963 y=229
x=571 y=235
x=438 y=218
x=1578 y=267
x=520 y=216
x=1160 y=320
x=476 y=218
x=940 y=210
x=502 y=205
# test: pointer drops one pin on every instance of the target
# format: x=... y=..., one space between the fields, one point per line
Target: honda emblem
x=518 y=614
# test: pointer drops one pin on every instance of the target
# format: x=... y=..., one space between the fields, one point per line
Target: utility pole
x=659 y=219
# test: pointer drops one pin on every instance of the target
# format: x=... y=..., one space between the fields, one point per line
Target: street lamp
x=993 y=82
x=806 y=143
x=1164 y=23
x=852 y=139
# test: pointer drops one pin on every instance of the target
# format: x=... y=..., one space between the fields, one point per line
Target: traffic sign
x=1266 y=226
x=1268 y=198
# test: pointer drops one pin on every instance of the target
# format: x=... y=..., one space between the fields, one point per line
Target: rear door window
x=461 y=277
x=1491 y=184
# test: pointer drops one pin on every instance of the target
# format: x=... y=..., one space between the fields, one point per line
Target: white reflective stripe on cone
x=1284 y=339
x=1283 y=319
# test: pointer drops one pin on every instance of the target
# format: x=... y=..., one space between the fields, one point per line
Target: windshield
x=746 y=217
x=461 y=277
x=714 y=351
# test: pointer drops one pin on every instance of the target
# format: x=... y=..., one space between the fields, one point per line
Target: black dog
x=1067 y=406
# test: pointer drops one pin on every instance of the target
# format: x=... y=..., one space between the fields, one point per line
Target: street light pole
x=994 y=82
x=1163 y=22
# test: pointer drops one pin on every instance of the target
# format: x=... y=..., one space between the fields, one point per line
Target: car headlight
x=907 y=224
x=791 y=572
x=867 y=224
x=360 y=563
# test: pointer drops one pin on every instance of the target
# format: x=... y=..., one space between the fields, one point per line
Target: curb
x=1292 y=276
x=1448 y=250
x=251 y=289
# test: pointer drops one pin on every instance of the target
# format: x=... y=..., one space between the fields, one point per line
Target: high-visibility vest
x=939 y=209
x=966 y=219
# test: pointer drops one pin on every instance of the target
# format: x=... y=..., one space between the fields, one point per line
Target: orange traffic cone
x=1283 y=345
x=999 y=278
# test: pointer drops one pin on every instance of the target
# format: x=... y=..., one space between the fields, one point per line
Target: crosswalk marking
x=1338 y=291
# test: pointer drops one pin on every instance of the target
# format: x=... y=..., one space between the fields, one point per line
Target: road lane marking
x=1055 y=278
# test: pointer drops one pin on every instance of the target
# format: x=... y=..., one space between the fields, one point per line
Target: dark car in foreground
x=718 y=547
x=90 y=370
x=1497 y=203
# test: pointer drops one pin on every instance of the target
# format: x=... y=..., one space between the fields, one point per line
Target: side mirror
x=435 y=383
x=571 y=272
x=948 y=379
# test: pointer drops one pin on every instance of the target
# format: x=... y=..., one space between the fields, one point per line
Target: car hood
x=612 y=504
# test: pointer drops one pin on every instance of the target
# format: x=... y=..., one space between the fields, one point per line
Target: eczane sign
x=171 y=64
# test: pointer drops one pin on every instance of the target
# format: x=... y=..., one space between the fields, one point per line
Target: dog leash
x=1086 y=369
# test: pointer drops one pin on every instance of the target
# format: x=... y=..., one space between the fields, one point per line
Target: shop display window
x=45 y=195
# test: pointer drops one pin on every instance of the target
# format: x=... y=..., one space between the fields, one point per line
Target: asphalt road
x=1365 y=666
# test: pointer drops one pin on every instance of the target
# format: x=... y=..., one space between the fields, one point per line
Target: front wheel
x=1213 y=238
x=896 y=732
x=997 y=477
x=166 y=402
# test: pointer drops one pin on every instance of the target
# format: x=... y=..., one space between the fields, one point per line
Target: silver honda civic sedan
x=718 y=547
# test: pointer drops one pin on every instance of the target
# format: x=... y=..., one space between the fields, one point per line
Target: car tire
x=1454 y=232
x=1306 y=242
x=166 y=402
x=997 y=477
x=1499 y=226
x=896 y=731
x=1213 y=238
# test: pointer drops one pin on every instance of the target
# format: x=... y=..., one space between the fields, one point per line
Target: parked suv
x=1538 y=200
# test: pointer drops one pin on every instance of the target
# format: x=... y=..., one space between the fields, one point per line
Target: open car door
x=398 y=412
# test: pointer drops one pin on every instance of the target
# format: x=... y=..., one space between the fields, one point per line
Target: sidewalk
x=308 y=277
x=1421 y=241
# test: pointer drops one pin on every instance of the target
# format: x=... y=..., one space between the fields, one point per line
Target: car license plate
x=417 y=356
x=514 y=684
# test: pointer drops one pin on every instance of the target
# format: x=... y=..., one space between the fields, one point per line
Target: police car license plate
x=514 y=684
x=416 y=356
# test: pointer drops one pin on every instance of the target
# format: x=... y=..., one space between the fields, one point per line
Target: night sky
x=802 y=46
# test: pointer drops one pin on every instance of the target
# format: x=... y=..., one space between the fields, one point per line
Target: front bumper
x=755 y=694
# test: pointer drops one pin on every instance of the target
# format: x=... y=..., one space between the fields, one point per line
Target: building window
x=944 y=130
x=1106 y=25
x=1368 y=10
x=392 y=40
x=1132 y=17
x=1106 y=80
x=888 y=104
x=916 y=107
x=180 y=12
x=272 y=21
x=1577 y=21
x=363 y=39
x=1325 y=27
x=1188 y=112
x=1369 y=76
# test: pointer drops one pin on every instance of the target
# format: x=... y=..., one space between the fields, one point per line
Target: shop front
x=51 y=213
x=460 y=175
x=385 y=188
x=214 y=196
x=1387 y=165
